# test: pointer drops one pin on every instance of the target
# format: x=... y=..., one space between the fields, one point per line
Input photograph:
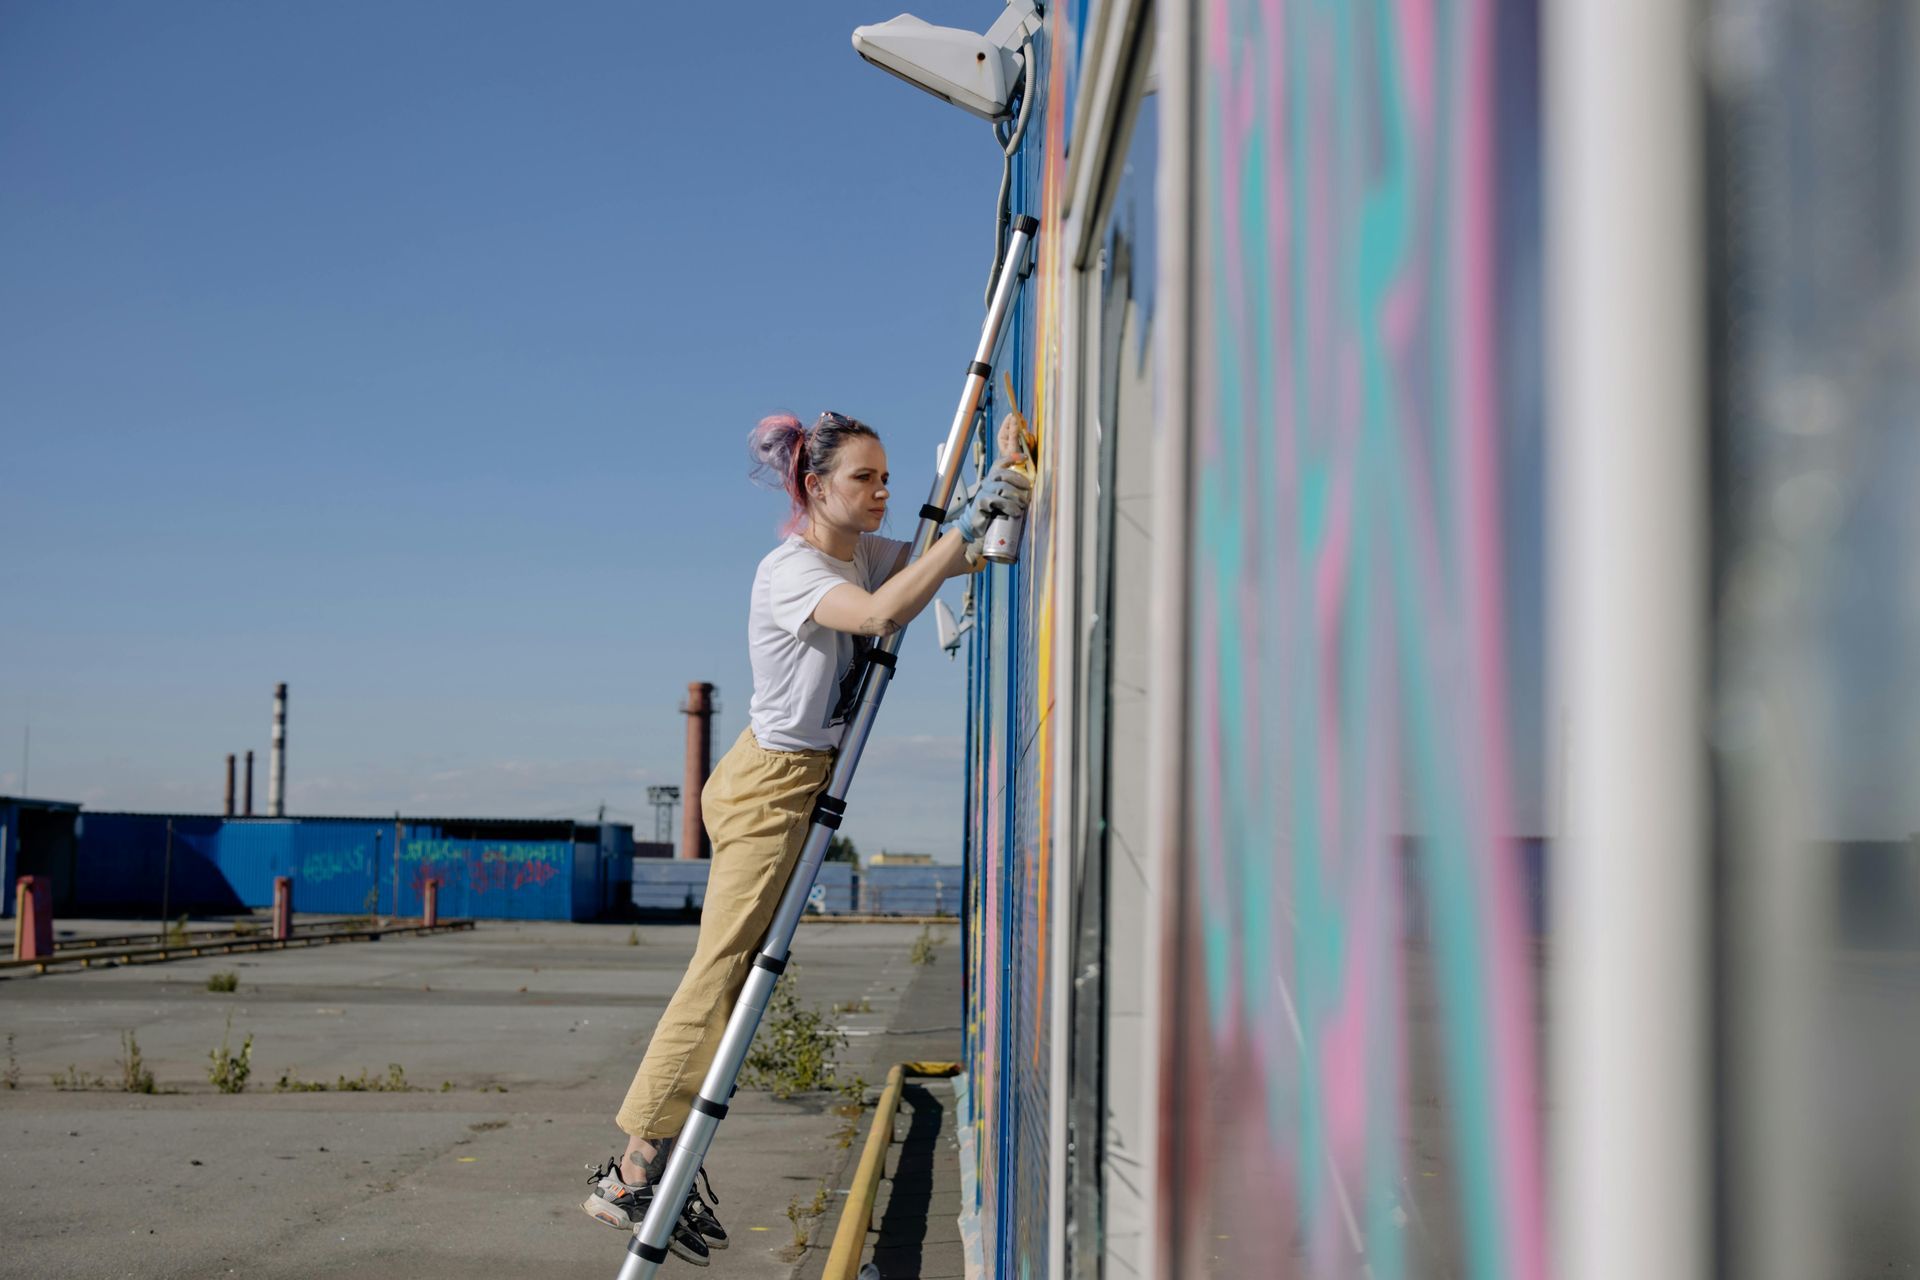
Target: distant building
x=885 y=859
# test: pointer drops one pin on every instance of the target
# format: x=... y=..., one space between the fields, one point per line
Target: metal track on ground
x=107 y=957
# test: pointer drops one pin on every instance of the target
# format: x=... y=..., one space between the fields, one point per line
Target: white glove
x=1003 y=493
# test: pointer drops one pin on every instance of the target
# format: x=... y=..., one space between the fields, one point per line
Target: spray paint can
x=1001 y=542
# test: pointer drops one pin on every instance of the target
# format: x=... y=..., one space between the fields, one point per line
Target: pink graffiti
x=1350 y=610
x=485 y=872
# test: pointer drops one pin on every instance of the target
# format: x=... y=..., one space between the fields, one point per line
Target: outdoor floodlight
x=950 y=629
x=974 y=72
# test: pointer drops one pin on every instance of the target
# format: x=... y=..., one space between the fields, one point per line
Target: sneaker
x=701 y=1216
x=619 y=1204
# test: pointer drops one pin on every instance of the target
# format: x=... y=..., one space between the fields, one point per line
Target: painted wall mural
x=1355 y=1050
x=1012 y=775
x=1356 y=1069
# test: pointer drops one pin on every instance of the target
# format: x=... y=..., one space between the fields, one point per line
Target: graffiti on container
x=434 y=851
x=483 y=868
x=330 y=864
x=503 y=873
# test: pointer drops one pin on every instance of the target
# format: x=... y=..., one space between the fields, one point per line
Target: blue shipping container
x=347 y=866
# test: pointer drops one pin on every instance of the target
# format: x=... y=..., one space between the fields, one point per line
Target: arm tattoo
x=880 y=628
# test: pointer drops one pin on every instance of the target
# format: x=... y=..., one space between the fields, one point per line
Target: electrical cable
x=1010 y=143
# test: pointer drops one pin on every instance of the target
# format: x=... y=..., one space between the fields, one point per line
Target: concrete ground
x=916 y=1217
x=517 y=1042
x=916 y=1214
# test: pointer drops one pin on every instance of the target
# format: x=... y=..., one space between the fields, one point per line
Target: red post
x=430 y=912
x=282 y=908
x=33 y=918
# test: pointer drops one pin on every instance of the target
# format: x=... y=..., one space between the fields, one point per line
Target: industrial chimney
x=277 y=765
x=247 y=796
x=699 y=713
x=229 y=784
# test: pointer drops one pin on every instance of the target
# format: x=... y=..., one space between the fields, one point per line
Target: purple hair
x=785 y=453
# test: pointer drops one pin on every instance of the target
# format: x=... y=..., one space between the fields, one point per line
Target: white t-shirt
x=804 y=674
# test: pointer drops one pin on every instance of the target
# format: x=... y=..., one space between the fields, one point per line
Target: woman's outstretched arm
x=965 y=566
x=900 y=598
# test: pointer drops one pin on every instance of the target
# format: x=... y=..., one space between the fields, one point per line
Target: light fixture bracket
x=977 y=73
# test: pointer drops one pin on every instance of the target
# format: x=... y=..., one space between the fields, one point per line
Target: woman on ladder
x=820 y=599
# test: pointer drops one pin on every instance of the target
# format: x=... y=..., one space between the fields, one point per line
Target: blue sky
x=406 y=352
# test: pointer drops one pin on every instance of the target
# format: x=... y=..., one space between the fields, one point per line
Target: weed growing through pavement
x=925 y=946
x=134 y=1075
x=795 y=1214
x=245 y=928
x=862 y=1005
x=229 y=1071
x=75 y=1080
x=176 y=933
x=855 y=1093
x=289 y=1083
x=395 y=1081
x=795 y=1049
x=223 y=981
x=633 y=937
x=803 y=1216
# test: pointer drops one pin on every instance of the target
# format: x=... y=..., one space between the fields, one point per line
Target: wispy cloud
x=493 y=789
x=906 y=796
x=496 y=788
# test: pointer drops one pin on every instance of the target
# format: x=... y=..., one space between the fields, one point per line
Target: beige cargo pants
x=757 y=807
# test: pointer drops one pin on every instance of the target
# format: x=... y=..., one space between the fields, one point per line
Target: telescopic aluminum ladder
x=648 y=1248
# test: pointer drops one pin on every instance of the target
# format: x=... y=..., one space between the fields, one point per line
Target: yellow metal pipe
x=850 y=1238
x=856 y=1217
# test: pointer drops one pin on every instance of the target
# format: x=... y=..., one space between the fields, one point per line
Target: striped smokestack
x=277 y=766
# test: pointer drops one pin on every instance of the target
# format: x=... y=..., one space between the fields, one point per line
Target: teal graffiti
x=330 y=864
x=461 y=850
x=1339 y=466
